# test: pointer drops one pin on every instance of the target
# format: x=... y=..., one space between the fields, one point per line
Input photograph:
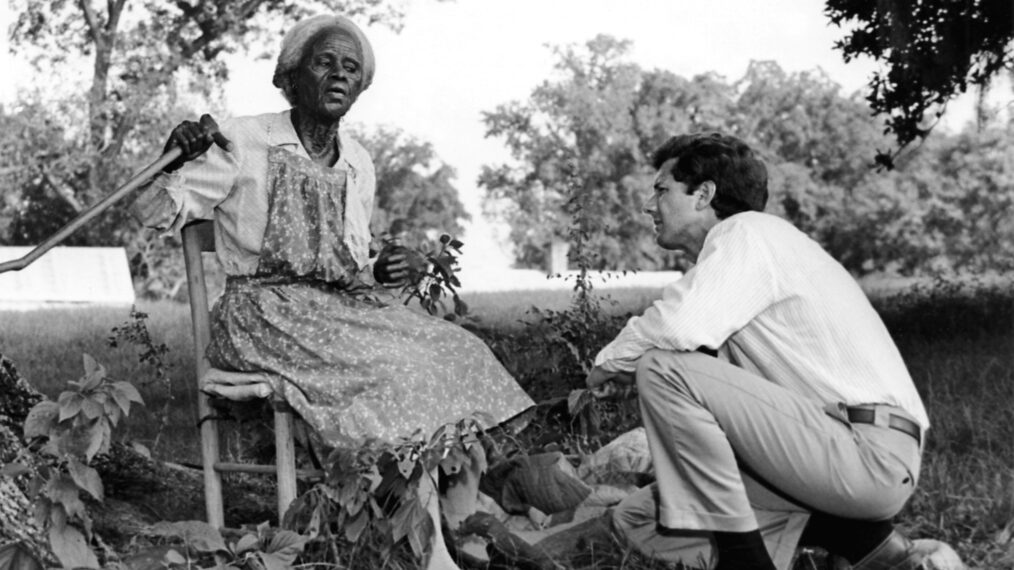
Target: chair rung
x=223 y=467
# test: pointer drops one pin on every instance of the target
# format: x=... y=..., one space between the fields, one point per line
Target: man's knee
x=664 y=368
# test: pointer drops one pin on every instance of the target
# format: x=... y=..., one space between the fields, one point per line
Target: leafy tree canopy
x=413 y=185
x=932 y=50
x=581 y=146
x=589 y=132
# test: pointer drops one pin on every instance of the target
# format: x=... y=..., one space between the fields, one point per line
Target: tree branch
x=63 y=192
x=115 y=8
x=93 y=23
x=212 y=31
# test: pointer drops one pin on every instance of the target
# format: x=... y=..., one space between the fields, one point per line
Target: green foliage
x=413 y=185
x=603 y=117
x=264 y=549
x=970 y=308
x=945 y=207
x=930 y=51
x=69 y=433
x=153 y=355
x=956 y=345
x=368 y=507
x=583 y=122
x=17 y=555
x=433 y=278
x=563 y=343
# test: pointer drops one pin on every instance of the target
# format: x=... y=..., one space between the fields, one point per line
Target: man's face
x=330 y=77
x=680 y=218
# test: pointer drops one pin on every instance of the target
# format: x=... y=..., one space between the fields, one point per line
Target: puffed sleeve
x=190 y=193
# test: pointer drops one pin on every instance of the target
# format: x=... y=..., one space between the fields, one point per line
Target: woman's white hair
x=297 y=40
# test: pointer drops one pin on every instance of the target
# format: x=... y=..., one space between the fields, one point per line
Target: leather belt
x=868 y=415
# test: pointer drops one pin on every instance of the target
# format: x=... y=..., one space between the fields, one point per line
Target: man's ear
x=705 y=193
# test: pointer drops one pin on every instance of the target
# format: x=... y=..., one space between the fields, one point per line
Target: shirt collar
x=282 y=133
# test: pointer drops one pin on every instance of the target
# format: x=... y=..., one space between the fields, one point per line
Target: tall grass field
x=956 y=339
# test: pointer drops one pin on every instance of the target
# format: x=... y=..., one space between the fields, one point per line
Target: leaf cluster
x=265 y=548
x=69 y=433
x=413 y=185
x=368 y=506
x=930 y=50
x=944 y=207
x=135 y=332
x=601 y=119
x=433 y=279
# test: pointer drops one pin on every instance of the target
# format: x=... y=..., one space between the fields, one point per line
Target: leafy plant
x=68 y=434
x=265 y=548
x=368 y=505
x=17 y=555
x=571 y=338
x=433 y=280
x=135 y=332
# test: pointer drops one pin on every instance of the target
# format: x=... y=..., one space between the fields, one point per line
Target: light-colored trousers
x=705 y=418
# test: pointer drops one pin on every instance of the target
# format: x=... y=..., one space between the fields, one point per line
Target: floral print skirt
x=354 y=368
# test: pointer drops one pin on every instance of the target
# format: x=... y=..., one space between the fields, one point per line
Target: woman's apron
x=352 y=367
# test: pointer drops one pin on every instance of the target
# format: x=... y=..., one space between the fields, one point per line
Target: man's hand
x=604 y=383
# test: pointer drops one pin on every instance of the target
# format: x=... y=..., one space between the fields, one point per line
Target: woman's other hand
x=397 y=265
x=391 y=267
x=194 y=139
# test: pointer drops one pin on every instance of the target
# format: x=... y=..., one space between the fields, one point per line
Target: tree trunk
x=16 y=522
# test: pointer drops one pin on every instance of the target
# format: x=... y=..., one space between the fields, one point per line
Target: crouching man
x=807 y=429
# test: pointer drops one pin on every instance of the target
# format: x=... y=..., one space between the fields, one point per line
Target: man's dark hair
x=741 y=179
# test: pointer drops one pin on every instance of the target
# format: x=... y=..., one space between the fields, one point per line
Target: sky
x=454 y=60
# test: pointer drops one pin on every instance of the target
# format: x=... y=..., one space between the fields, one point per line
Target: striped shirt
x=775 y=303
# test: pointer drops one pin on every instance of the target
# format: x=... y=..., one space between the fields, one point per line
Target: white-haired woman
x=292 y=200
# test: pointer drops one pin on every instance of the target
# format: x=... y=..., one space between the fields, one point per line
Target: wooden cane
x=84 y=217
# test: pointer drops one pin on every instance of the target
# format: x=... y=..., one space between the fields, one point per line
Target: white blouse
x=232 y=188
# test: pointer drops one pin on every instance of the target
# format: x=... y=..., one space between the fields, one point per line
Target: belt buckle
x=881 y=416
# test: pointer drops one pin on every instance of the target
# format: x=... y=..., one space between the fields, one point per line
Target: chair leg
x=213 y=503
x=285 y=460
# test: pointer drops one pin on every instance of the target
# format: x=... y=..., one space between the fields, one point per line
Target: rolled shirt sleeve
x=190 y=193
x=731 y=284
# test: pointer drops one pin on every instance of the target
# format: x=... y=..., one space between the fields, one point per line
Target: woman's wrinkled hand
x=397 y=265
x=194 y=139
x=391 y=267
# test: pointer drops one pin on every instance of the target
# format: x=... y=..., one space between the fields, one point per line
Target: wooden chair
x=198 y=237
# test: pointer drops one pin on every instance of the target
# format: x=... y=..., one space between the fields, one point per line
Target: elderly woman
x=292 y=200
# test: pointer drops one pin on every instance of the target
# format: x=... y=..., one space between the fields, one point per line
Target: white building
x=67 y=277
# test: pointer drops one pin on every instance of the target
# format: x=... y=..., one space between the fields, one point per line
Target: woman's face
x=330 y=77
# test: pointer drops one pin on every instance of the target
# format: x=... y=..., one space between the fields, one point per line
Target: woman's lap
x=353 y=369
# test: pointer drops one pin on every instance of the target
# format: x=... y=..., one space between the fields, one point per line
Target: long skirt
x=355 y=369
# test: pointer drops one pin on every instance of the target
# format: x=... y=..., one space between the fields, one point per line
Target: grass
x=46 y=347
x=957 y=342
x=509 y=310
